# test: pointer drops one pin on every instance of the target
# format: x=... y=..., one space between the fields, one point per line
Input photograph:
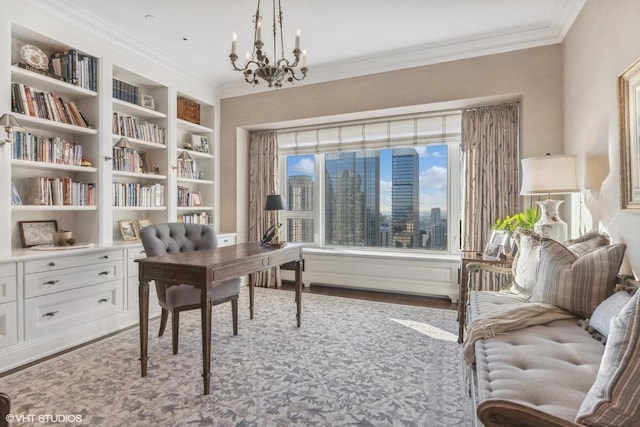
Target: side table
x=466 y=258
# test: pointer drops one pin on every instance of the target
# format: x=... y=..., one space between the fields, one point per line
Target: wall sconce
x=10 y=125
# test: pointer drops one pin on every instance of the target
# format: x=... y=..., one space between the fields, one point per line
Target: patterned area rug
x=352 y=363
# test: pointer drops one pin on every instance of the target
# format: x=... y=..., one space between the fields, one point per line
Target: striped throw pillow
x=576 y=283
x=613 y=397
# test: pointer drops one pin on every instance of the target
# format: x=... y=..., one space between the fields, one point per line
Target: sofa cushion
x=613 y=399
x=606 y=310
x=576 y=283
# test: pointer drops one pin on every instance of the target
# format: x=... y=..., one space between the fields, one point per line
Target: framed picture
x=143 y=166
x=34 y=233
x=142 y=223
x=147 y=101
x=196 y=199
x=629 y=116
x=127 y=230
x=494 y=248
x=15 y=196
x=200 y=143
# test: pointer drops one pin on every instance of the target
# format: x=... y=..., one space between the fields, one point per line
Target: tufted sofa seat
x=537 y=373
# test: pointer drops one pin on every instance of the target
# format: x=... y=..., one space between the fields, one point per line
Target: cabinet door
x=7 y=289
x=8 y=324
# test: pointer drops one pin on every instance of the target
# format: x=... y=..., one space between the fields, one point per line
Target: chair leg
x=163 y=321
x=175 y=322
x=234 y=315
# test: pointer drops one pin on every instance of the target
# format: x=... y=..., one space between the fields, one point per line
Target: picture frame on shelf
x=127 y=230
x=142 y=223
x=15 y=196
x=495 y=246
x=143 y=165
x=200 y=143
x=629 y=117
x=196 y=198
x=35 y=233
x=147 y=101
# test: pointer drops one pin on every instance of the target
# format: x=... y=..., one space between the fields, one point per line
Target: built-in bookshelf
x=195 y=165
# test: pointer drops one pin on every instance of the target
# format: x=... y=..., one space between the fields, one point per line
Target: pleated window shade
x=372 y=135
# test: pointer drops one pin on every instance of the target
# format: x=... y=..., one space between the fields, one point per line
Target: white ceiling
x=343 y=38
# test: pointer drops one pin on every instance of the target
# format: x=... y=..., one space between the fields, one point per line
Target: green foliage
x=524 y=220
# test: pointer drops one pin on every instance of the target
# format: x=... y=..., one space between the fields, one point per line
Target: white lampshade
x=549 y=175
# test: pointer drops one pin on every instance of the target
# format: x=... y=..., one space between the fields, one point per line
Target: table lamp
x=275 y=202
x=550 y=174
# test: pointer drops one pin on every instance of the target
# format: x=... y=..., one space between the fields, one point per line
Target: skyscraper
x=405 y=221
x=300 y=198
x=352 y=198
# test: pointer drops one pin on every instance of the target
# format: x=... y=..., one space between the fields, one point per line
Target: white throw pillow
x=606 y=310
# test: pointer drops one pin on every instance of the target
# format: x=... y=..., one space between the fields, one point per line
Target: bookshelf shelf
x=139 y=208
x=139 y=143
x=193 y=127
x=196 y=154
x=194 y=208
x=29 y=164
x=38 y=208
x=125 y=107
x=43 y=82
x=148 y=176
x=195 y=181
x=50 y=125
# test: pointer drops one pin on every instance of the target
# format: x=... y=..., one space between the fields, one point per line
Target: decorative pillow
x=576 y=283
x=613 y=397
x=588 y=241
x=604 y=312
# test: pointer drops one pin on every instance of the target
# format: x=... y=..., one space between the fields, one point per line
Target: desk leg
x=462 y=302
x=251 y=288
x=143 y=308
x=206 y=339
x=298 y=277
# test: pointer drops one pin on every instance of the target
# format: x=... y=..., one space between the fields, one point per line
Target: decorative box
x=189 y=110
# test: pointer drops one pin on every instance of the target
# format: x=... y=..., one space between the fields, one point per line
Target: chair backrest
x=175 y=237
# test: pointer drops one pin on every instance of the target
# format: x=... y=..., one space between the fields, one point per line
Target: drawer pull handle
x=105 y=257
x=103 y=273
x=51 y=282
x=101 y=300
x=52 y=264
x=50 y=314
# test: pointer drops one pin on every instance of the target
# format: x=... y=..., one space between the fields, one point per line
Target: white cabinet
x=8 y=312
x=134 y=253
x=226 y=239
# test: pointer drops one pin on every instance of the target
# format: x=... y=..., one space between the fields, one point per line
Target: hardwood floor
x=389 y=297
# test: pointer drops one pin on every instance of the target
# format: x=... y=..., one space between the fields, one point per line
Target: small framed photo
x=34 y=233
x=495 y=246
x=127 y=230
x=196 y=199
x=15 y=196
x=142 y=223
x=142 y=166
x=147 y=101
x=200 y=143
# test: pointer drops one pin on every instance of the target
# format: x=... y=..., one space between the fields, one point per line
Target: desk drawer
x=57 y=263
x=253 y=265
x=8 y=324
x=50 y=313
x=49 y=282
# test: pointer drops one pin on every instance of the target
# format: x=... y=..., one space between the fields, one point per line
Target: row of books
x=129 y=160
x=139 y=195
x=133 y=127
x=196 y=218
x=59 y=192
x=187 y=169
x=188 y=198
x=75 y=68
x=126 y=92
x=48 y=150
x=45 y=105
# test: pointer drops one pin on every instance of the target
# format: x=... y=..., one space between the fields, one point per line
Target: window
x=399 y=195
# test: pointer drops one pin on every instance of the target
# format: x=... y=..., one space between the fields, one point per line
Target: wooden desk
x=204 y=269
x=468 y=257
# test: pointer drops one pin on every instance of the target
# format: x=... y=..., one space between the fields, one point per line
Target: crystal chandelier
x=257 y=64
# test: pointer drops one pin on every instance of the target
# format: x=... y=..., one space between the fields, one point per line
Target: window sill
x=415 y=256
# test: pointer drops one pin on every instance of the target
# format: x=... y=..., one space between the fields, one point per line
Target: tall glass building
x=300 y=198
x=352 y=198
x=405 y=209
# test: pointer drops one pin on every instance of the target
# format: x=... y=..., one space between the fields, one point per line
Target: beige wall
x=533 y=75
x=600 y=45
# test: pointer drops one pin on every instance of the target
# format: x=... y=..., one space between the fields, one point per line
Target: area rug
x=352 y=363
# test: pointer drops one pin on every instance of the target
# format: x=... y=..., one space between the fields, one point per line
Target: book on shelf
x=38 y=71
x=53 y=191
x=48 y=150
x=133 y=127
x=16 y=200
x=126 y=92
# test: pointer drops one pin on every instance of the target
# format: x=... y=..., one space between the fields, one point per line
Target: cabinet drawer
x=132 y=255
x=137 y=252
x=226 y=240
x=8 y=324
x=56 y=263
x=132 y=296
x=7 y=269
x=50 y=313
x=7 y=289
x=70 y=278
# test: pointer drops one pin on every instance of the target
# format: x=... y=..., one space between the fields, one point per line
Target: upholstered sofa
x=560 y=350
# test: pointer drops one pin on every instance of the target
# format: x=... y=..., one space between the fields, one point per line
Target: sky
x=432 y=172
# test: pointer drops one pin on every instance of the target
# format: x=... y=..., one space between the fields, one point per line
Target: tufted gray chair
x=162 y=239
